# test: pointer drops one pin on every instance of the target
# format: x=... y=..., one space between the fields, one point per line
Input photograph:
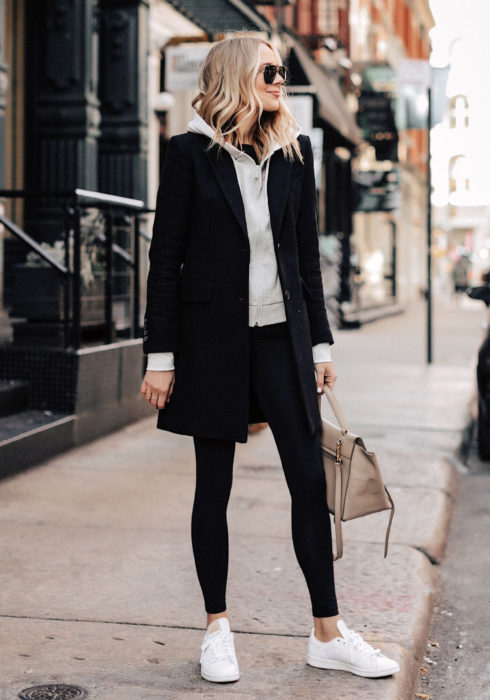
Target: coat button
x=278 y=245
x=241 y=298
x=287 y=294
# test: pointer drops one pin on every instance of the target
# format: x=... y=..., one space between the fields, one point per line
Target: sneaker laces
x=360 y=644
x=221 y=645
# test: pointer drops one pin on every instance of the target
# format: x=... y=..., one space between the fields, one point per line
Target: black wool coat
x=197 y=289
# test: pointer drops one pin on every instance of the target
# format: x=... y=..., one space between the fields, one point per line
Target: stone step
x=358 y=317
x=14 y=396
x=28 y=437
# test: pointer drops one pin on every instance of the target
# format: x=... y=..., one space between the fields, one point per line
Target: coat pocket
x=196 y=290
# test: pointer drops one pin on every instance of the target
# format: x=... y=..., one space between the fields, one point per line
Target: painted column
x=62 y=109
x=123 y=144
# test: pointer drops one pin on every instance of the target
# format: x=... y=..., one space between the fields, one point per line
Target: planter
x=38 y=296
x=37 y=293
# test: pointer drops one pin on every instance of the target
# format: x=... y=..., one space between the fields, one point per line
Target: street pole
x=429 y=233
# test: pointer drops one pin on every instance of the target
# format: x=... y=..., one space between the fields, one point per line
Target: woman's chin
x=272 y=106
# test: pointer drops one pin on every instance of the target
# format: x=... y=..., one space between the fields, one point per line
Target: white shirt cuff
x=160 y=361
x=322 y=352
x=164 y=361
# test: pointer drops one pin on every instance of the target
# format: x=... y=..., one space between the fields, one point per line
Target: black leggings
x=274 y=384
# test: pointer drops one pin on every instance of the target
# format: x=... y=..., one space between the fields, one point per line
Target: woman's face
x=270 y=95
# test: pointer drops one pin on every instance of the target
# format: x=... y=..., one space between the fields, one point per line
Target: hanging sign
x=182 y=65
x=377 y=190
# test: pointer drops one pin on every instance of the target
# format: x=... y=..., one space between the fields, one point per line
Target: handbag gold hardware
x=338 y=450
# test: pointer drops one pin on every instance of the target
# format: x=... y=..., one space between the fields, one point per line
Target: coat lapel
x=224 y=171
x=277 y=187
x=278 y=190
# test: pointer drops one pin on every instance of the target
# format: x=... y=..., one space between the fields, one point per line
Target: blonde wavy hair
x=227 y=95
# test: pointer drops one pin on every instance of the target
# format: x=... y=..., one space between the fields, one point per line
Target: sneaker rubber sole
x=344 y=666
x=220 y=679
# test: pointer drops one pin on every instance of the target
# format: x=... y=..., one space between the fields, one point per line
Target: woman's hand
x=325 y=374
x=157 y=387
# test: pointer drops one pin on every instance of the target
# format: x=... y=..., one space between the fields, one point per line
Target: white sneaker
x=218 y=660
x=349 y=652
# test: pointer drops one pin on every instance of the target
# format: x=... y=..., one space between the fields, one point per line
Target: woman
x=236 y=329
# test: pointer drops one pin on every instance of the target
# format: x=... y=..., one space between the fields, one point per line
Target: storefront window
x=373 y=259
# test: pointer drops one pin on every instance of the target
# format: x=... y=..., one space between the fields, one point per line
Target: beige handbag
x=355 y=486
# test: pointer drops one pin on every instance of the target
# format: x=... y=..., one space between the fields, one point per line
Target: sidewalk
x=98 y=582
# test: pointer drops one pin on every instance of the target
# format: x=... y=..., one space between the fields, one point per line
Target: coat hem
x=209 y=434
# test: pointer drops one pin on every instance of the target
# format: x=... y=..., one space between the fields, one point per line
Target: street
x=99 y=588
x=459 y=650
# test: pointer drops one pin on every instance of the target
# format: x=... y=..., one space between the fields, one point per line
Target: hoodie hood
x=198 y=126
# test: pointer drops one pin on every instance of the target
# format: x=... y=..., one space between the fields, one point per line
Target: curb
x=405 y=689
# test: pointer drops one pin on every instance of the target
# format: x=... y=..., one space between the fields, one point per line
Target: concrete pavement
x=98 y=583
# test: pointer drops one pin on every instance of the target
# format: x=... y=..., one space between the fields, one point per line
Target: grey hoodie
x=266 y=304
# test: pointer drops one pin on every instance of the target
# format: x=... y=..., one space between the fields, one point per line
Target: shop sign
x=182 y=65
x=414 y=71
x=375 y=118
x=376 y=190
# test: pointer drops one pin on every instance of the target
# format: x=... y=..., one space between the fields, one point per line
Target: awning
x=219 y=16
x=332 y=106
x=167 y=23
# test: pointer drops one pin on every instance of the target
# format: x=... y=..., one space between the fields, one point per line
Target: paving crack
x=144 y=624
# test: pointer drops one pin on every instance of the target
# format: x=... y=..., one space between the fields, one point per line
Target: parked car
x=483 y=377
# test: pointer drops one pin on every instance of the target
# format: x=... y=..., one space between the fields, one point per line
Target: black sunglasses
x=270 y=70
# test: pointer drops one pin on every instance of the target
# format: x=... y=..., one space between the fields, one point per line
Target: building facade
x=390 y=246
x=92 y=91
x=460 y=156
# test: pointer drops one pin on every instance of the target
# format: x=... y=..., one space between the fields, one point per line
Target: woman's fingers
x=330 y=375
x=155 y=397
x=330 y=382
x=320 y=374
x=325 y=374
x=156 y=385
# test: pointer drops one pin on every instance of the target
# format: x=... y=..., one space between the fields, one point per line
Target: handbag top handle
x=335 y=406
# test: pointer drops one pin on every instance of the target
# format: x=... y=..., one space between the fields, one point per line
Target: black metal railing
x=92 y=221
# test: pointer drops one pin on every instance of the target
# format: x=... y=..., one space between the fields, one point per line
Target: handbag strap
x=337 y=516
x=335 y=406
x=392 y=513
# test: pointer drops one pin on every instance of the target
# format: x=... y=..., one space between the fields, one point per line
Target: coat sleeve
x=167 y=250
x=309 y=256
